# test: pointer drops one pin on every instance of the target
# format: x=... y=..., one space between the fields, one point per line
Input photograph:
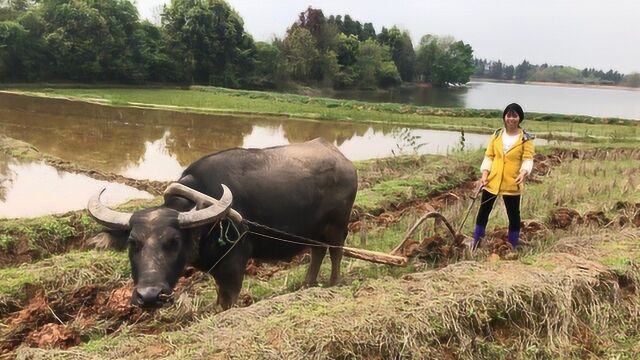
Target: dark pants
x=511 y=202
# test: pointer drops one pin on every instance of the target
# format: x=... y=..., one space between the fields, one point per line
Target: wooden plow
x=397 y=256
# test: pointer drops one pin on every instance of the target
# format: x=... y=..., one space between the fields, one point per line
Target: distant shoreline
x=548 y=83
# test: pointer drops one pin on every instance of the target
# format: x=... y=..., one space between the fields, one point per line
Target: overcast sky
x=603 y=34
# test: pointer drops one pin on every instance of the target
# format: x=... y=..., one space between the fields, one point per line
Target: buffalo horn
x=105 y=216
x=209 y=214
x=201 y=199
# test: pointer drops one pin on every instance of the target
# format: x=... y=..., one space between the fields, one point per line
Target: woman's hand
x=483 y=180
x=521 y=177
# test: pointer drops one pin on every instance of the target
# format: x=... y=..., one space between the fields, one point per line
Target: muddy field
x=89 y=305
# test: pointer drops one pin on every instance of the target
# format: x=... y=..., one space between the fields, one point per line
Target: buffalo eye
x=172 y=243
x=134 y=244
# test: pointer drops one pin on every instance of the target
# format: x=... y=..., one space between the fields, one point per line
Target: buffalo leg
x=317 y=255
x=229 y=275
x=336 y=258
x=336 y=237
x=228 y=289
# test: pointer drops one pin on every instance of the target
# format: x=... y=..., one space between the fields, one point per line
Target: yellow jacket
x=505 y=167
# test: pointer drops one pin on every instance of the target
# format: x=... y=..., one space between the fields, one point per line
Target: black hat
x=515 y=108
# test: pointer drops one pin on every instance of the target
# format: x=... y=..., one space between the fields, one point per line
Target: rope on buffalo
x=307 y=241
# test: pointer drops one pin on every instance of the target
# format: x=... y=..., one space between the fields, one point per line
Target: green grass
x=73 y=269
x=219 y=100
x=385 y=183
x=47 y=232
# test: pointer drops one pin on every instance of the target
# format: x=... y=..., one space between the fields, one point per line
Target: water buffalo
x=303 y=189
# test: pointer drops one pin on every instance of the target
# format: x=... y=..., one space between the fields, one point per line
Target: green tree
x=508 y=72
x=301 y=54
x=119 y=55
x=388 y=75
x=270 y=69
x=444 y=61
x=13 y=9
x=495 y=70
x=76 y=37
x=479 y=67
x=208 y=38
x=346 y=56
x=151 y=55
x=324 y=32
x=523 y=71
x=402 y=51
x=374 y=65
x=632 y=80
x=12 y=44
x=427 y=56
x=368 y=31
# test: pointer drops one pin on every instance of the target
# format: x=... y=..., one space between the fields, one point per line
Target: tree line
x=204 y=42
x=526 y=71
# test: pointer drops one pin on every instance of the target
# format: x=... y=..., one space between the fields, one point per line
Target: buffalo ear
x=110 y=239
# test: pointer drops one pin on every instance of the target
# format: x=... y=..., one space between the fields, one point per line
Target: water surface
x=29 y=189
x=566 y=99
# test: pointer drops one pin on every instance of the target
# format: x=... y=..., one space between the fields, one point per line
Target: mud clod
x=53 y=336
x=562 y=218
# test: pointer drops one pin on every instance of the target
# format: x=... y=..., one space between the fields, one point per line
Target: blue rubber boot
x=478 y=234
x=513 y=238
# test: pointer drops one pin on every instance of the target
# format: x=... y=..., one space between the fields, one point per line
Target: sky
x=601 y=34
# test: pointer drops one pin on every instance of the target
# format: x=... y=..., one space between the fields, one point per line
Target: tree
x=368 y=32
x=508 y=72
x=12 y=43
x=301 y=54
x=523 y=70
x=496 y=70
x=402 y=51
x=13 y=9
x=374 y=65
x=209 y=39
x=444 y=61
x=479 y=67
x=269 y=71
x=346 y=56
x=632 y=80
x=388 y=75
x=77 y=37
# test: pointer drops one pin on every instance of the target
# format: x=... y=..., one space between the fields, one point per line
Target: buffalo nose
x=146 y=296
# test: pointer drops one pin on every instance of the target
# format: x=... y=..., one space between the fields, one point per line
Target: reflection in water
x=35 y=189
x=157 y=163
x=416 y=95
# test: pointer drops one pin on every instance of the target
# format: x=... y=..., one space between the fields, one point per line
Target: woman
x=507 y=163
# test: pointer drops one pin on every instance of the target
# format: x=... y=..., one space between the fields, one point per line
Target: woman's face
x=511 y=120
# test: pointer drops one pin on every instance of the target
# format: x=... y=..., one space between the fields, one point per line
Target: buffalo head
x=159 y=239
